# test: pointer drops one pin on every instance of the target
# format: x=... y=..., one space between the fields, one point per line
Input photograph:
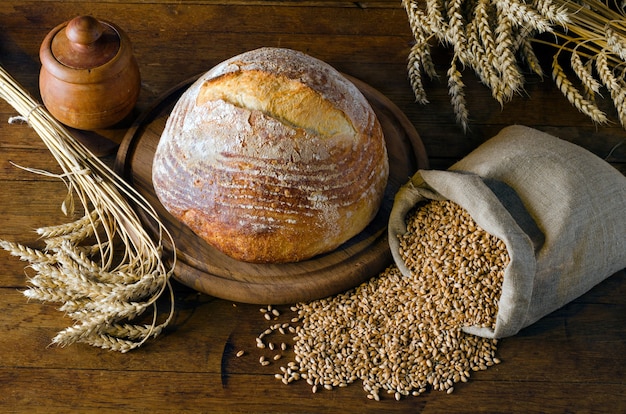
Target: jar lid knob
x=83 y=30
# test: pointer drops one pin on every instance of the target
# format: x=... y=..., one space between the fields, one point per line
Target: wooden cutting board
x=207 y=270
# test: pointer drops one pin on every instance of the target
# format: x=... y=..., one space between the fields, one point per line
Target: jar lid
x=85 y=43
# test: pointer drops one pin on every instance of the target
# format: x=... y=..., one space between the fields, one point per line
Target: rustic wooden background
x=574 y=360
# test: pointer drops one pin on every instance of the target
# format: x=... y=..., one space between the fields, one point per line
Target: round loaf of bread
x=272 y=156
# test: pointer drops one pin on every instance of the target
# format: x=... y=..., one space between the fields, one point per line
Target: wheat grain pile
x=400 y=335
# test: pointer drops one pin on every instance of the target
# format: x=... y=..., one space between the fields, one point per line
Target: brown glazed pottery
x=89 y=77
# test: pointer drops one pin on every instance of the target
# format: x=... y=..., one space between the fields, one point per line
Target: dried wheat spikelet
x=494 y=39
x=104 y=268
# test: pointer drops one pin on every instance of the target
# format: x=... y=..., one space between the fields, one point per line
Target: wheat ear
x=102 y=287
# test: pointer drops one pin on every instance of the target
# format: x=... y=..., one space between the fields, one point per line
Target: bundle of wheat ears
x=104 y=268
x=495 y=39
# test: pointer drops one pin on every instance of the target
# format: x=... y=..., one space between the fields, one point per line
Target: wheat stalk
x=104 y=268
x=574 y=96
x=493 y=37
x=457 y=94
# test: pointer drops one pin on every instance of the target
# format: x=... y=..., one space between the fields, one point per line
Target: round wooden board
x=207 y=270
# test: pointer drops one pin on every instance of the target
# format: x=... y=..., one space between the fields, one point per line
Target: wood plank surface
x=573 y=360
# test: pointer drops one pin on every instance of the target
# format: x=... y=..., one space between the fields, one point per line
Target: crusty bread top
x=304 y=69
x=278 y=97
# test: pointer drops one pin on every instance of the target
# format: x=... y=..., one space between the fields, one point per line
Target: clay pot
x=89 y=77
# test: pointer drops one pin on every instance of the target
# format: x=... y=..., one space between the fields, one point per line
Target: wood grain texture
x=573 y=360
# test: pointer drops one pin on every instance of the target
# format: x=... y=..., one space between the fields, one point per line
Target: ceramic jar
x=89 y=77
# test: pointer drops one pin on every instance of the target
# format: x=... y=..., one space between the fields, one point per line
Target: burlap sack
x=560 y=210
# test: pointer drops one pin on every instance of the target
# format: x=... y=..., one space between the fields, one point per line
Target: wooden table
x=573 y=360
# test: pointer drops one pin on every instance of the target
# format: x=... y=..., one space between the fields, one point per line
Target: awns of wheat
x=495 y=38
x=105 y=269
